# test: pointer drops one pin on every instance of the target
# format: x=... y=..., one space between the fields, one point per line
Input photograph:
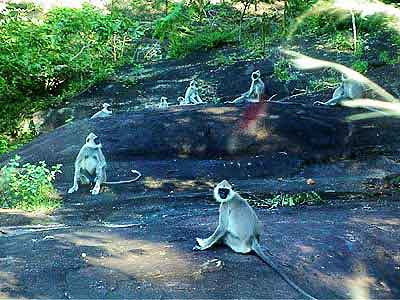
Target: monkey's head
x=256 y=75
x=164 y=99
x=193 y=83
x=93 y=141
x=223 y=191
x=106 y=105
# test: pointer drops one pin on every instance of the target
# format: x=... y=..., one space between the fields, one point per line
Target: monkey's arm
x=251 y=90
x=218 y=233
x=77 y=173
x=331 y=102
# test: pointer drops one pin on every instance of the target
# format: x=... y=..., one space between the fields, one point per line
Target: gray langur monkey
x=105 y=112
x=163 y=103
x=254 y=93
x=192 y=95
x=348 y=89
x=90 y=166
x=182 y=101
x=239 y=228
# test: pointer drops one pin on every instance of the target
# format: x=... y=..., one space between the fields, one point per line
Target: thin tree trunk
x=246 y=5
x=353 y=20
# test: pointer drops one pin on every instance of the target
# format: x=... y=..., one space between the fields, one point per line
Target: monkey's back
x=243 y=221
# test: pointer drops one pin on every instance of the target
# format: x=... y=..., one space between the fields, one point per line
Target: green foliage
x=202 y=40
x=46 y=58
x=284 y=200
x=223 y=59
x=174 y=22
x=282 y=70
x=7 y=145
x=294 y=8
x=321 y=84
x=185 y=31
x=387 y=58
x=341 y=41
x=28 y=186
x=361 y=66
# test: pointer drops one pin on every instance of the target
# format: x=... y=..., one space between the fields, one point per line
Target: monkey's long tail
x=126 y=181
x=257 y=249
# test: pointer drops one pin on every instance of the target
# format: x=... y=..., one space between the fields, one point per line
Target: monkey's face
x=255 y=75
x=193 y=83
x=93 y=141
x=106 y=105
x=223 y=192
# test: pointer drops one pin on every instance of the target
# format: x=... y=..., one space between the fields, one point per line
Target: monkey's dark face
x=223 y=191
x=93 y=141
x=255 y=75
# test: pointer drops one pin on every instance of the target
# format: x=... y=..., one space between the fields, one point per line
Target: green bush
x=204 y=40
x=28 y=187
x=361 y=66
x=285 y=200
x=45 y=58
x=185 y=32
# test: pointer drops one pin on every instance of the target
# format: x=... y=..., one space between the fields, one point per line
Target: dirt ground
x=143 y=249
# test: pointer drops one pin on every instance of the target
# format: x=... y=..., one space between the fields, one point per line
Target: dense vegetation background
x=49 y=55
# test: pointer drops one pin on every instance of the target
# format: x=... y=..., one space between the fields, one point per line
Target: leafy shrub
x=294 y=8
x=283 y=70
x=28 y=187
x=387 y=58
x=342 y=41
x=172 y=23
x=205 y=40
x=284 y=200
x=184 y=32
x=6 y=145
x=361 y=66
x=46 y=58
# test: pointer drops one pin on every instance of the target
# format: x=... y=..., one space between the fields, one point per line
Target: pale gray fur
x=91 y=162
x=105 y=112
x=163 y=103
x=181 y=101
x=239 y=228
x=254 y=93
x=192 y=95
x=348 y=89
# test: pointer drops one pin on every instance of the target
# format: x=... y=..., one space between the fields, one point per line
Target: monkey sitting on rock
x=254 y=93
x=90 y=166
x=239 y=228
x=192 y=96
x=348 y=89
x=104 y=113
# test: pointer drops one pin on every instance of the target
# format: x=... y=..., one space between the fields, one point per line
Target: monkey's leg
x=199 y=99
x=85 y=178
x=210 y=241
x=193 y=100
x=238 y=100
x=99 y=179
x=75 y=187
x=236 y=244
